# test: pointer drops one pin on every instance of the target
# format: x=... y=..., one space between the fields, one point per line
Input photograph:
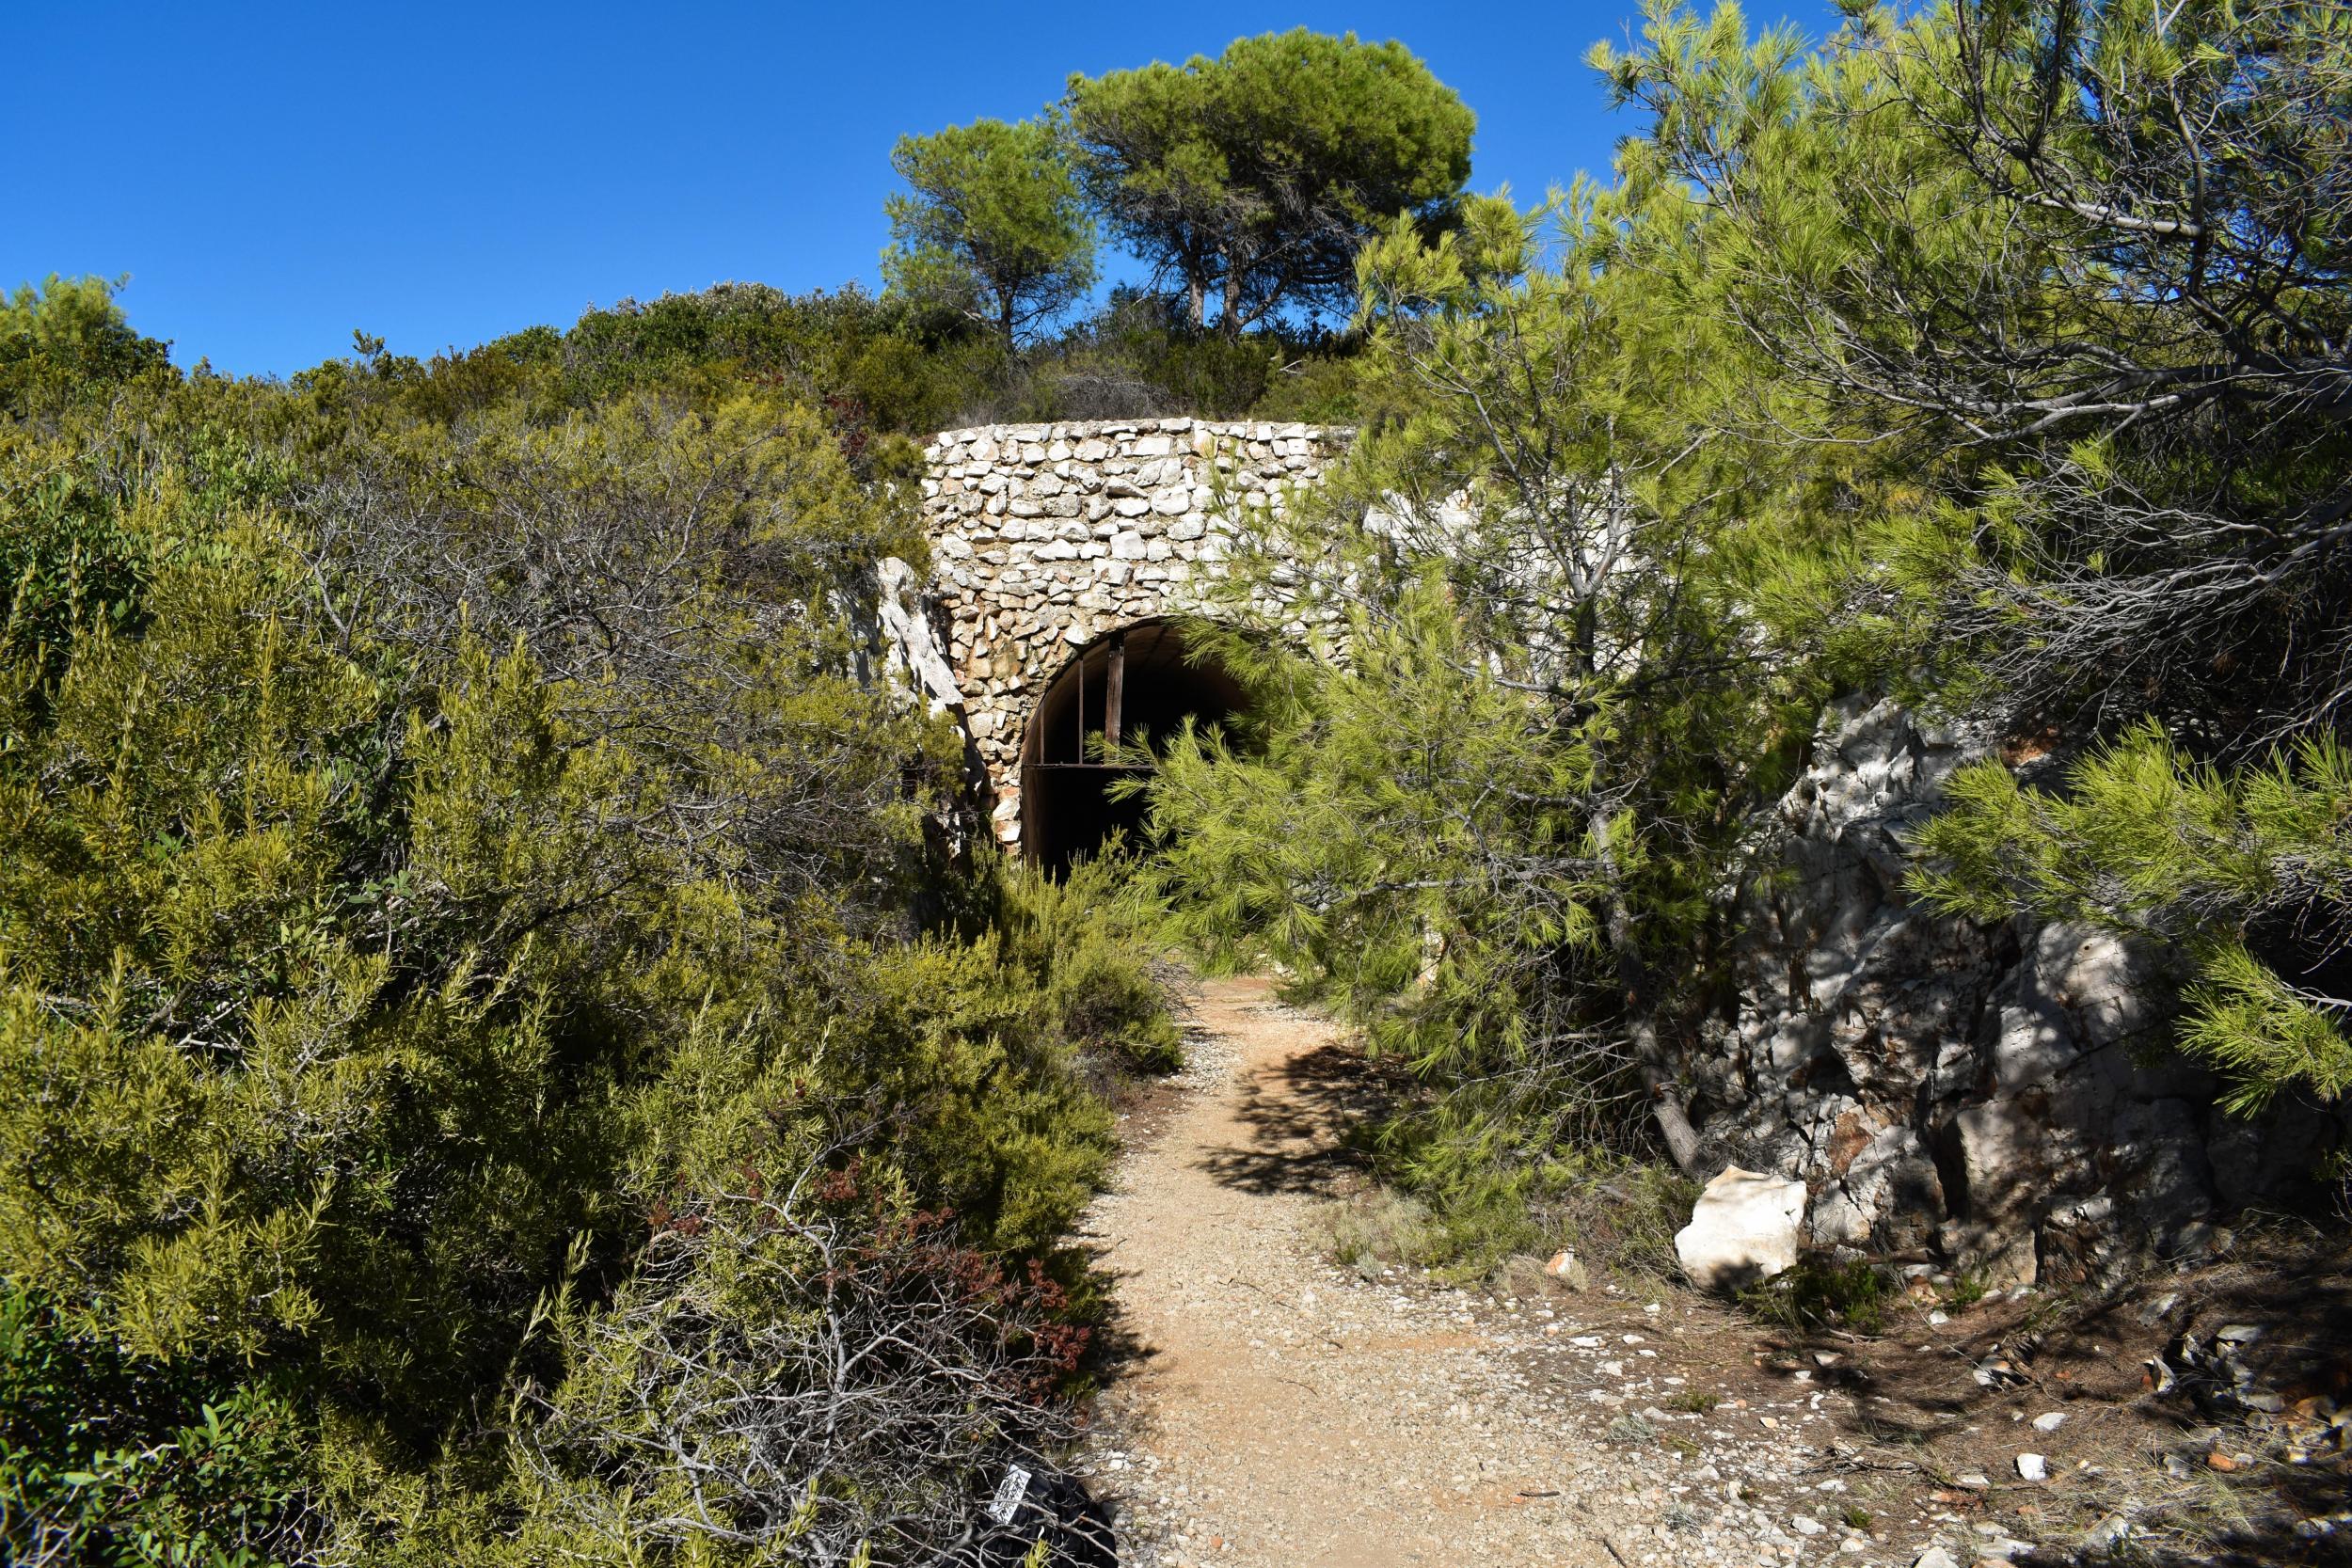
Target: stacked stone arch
x=1050 y=542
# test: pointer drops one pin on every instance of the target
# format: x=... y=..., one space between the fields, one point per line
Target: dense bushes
x=877 y=368
x=108 y=1457
x=1094 y=944
x=472 y=957
x=65 y=342
x=2074 y=273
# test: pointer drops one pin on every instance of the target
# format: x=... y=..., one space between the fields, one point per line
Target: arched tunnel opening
x=1138 y=684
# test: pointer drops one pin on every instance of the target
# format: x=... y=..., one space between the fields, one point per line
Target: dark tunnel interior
x=1066 y=807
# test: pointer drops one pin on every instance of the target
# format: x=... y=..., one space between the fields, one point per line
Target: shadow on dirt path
x=1309 y=1120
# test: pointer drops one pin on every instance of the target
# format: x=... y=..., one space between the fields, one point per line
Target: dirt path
x=1279 y=1411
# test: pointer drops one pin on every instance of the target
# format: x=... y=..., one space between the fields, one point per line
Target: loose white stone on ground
x=1744 y=1229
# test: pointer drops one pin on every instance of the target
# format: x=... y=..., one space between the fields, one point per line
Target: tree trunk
x=1229 y=312
x=1640 y=1014
x=1196 y=298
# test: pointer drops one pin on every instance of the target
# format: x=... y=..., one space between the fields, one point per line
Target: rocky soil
x=1271 y=1407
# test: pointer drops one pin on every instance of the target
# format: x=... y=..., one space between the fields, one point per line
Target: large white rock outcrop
x=2000 y=1096
x=913 y=651
x=1745 y=1228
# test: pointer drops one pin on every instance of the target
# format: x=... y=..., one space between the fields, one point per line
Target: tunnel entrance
x=1140 y=682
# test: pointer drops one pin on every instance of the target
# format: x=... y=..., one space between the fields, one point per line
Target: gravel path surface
x=1279 y=1411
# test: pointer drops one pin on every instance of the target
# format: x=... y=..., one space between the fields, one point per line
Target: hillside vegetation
x=513 y=1052
x=505 y=1063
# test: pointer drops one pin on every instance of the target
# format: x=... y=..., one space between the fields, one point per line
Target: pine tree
x=1262 y=172
x=991 y=224
x=2075 y=271
x=1492 y=809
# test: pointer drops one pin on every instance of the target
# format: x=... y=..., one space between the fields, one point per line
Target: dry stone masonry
x=1046 y=538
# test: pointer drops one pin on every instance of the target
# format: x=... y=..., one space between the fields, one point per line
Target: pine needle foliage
x=1506 y=719
x=2076 y=269
x=1989 y=353
x=2146 y=842
x=991 y=225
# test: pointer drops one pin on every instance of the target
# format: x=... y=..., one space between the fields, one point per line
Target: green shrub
x=111 y=1458
x=66 y=343
x=1091 y=945
x=390 y=954
x=1482 y=1201
x=1965 y=1289
x=1820 y=1294
x=67 y=562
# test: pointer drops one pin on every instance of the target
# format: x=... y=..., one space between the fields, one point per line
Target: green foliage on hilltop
x=1260 y=173
x=873 y=366
x=878 y=369
x=991 y=226
x=67 y=340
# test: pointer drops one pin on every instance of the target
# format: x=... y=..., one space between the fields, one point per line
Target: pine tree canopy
x=991 y=224
x=1263 y=171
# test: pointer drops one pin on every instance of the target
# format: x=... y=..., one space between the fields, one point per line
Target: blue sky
x=273 y=177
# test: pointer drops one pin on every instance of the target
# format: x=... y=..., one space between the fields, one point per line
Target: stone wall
x=1045 y=538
